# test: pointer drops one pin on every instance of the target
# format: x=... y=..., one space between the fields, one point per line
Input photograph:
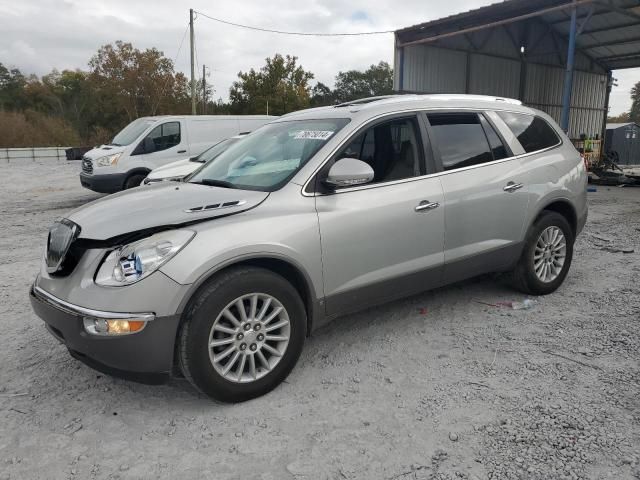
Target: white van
x=179 y=169
x=150 y=142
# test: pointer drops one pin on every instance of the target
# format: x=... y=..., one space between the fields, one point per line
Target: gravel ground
x=439 y=386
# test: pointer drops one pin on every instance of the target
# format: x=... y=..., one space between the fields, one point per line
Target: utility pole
x=193 y=65
x=204 y=92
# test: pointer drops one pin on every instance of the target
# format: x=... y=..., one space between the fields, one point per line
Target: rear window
x=532 y=132
x=460 y=139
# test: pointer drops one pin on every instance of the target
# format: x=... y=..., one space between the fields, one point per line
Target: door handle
x=426 y=205
x=512 y=187
x=182 y=151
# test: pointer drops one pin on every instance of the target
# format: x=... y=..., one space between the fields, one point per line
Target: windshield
x=216 y=150
x=132 y=131
x=266 y=159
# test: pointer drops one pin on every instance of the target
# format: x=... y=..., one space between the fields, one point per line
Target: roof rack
x=485 y=98
x=362 y=101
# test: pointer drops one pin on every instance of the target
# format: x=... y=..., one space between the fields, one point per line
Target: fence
x=33 y=153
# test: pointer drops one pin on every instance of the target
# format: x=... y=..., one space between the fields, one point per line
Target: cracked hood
x=164 y=204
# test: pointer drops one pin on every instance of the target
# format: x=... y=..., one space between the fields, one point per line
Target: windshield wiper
x=215 y=183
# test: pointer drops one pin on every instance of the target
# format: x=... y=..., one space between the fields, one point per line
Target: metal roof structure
x=554 y=55
x=608 y=31
x=613 y=126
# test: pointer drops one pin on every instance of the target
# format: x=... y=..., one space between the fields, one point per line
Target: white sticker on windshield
x=313 y=134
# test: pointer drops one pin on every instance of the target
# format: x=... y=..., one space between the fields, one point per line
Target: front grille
x=87 y=165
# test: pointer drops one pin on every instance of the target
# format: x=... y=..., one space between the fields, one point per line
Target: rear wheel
x=546 y=256
x=243 y=334
x=134 y=180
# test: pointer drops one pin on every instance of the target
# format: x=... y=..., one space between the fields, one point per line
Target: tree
x=136 y=82
x=12 y=83
x=634 y=113
x=354 y=84
x=281 y=84
x=622 y=118
x=321 y=95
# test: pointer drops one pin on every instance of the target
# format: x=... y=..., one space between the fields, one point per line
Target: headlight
x=133 y=262
x=109 y=160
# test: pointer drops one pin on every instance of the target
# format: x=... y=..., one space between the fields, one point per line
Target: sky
x=39 y=35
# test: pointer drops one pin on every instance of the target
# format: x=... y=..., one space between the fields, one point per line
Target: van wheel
x=546 y=257
x=134 y=180
x=242 y=334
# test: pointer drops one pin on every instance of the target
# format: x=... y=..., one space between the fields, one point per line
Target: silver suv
x=317 y=214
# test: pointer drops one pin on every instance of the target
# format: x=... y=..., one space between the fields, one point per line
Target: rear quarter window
x=532 y=132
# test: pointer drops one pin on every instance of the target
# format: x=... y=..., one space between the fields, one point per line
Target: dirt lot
x=438 y=386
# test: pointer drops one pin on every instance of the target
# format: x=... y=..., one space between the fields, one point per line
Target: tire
x=524 y=275
x=134 y=180
x=206 y=309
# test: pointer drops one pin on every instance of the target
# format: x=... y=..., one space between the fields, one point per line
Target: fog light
x=100 y=326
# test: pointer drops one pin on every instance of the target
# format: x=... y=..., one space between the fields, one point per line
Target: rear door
x=485 y=193
x=382 y=240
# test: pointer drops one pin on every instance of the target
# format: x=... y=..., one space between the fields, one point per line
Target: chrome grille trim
x=89 y=312
x=87 y=165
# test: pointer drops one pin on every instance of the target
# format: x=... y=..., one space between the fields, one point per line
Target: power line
x=302 y=34
x=175 y=59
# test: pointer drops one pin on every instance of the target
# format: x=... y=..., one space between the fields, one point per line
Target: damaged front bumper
x=145 y=356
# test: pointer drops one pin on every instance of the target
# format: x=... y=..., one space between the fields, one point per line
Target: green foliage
x=353 y=84
x=634 y=113
x=280 y=83
x=35 y=129
x=124 y=83
x=622 y=118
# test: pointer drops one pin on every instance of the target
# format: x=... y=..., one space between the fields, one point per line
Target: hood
x=102 y=151
x=160 y=205
x=181 y=168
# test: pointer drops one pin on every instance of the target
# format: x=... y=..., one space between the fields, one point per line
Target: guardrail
x=32 y=153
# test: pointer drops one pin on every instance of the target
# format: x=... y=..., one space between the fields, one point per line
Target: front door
x=169 y=144
x=385 y=239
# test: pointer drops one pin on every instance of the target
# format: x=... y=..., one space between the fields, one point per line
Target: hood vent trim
x=215 y=206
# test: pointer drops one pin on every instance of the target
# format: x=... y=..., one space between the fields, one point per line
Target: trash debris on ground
x=617 y=249
x=608 y=172
x=422 y=311
x=605 y=243
x=526 y=304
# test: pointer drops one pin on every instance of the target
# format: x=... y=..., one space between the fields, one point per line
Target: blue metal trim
x=568 y=76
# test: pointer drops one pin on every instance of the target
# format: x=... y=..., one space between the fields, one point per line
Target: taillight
x=585 y=162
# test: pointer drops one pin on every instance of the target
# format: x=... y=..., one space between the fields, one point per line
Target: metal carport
x=551 y=54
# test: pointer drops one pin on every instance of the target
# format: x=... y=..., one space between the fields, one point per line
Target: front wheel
x=242 y=335
x=546 y=256
x=134 y=180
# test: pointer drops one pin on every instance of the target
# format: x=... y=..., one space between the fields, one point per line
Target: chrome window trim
x=429 y=175
x=77 y=310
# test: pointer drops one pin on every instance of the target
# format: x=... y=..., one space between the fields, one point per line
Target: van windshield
x=132 y=131
x=266 y=159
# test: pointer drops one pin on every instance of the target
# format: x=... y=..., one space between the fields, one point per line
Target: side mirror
x=149 y=145
x=349 y=172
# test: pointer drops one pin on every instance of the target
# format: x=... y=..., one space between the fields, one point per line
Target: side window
x=460 y=138
x=391 y=148
x=532 y=132
x=165 y=136
x=498 y=149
